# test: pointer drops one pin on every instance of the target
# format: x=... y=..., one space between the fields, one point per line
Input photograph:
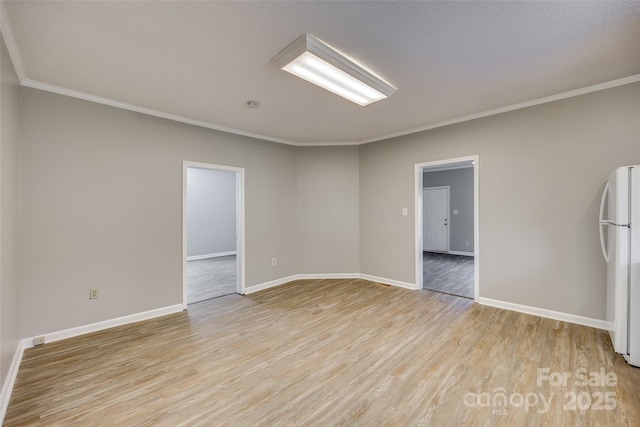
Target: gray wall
x=102 y=207
x=328 y=229
x=9 y=212
x=460 y=182
x=211 y=211
x=542 y=170
x=101 y=204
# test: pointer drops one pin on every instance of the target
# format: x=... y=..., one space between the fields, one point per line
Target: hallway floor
x=451 y=274
x=210 y=278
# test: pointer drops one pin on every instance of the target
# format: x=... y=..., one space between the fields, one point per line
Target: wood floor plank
x=322 y=352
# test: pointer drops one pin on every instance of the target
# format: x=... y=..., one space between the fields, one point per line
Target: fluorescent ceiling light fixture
x=320 y=64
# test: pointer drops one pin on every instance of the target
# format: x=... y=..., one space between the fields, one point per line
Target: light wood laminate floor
x=210 y=278
x=451 y=274
x=325 y=353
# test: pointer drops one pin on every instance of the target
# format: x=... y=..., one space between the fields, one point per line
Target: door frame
x=240 y=224
x=442 y=187
x=419 y=169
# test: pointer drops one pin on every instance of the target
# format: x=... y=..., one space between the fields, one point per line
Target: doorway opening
x=212 y=231
x=447 y=247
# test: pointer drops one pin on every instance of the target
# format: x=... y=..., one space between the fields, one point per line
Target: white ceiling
x=203 y=60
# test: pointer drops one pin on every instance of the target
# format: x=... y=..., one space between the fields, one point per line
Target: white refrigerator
x=620 y=240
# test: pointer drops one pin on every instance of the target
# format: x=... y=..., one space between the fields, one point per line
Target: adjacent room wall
x=211 y=212
x=102 y=206
x=328 y=230
x=9 y=212
x=542 y=170
x=460 y=183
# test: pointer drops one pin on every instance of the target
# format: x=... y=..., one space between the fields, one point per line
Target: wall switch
x=38 y=341
x=405 y=212
x=274 y=261
x=93 y=294
x=455 y=211
x=466 y=243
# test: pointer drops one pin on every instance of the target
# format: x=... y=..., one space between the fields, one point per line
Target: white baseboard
x=549 y=314
x=392 y=282
x=283 y=280
x=266 y=285
x=205 y=256
x=10 y=380
x=105 y=324
x=12 y=374
x=25 y=343
x=327 y=276
x=461 y=253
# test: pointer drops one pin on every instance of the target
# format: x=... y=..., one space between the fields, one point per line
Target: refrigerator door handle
x=602 y=242
x=605 y=193
x=603 y=222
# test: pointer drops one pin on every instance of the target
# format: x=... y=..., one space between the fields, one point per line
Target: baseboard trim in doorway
x=10 y=380
x=549 y=314
x=206 y=256
x=461 y=253
x=105 y=324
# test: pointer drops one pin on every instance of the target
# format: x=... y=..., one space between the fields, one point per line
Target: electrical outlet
x=405 y=211
x=38 y=341
x=466 y=243
x=274 y=261
x=93 y=294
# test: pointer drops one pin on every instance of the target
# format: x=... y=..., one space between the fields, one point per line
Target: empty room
x=273 y=213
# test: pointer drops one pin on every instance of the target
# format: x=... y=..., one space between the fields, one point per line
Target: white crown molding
x=7 y=33
x=564 y=95
x=328 y=144
x=149 y=111
x=144 y=110
x=12 y=47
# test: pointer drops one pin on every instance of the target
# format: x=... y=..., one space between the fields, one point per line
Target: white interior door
x=436 y=219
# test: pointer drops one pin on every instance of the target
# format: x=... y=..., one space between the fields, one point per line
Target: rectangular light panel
x=312 y=60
